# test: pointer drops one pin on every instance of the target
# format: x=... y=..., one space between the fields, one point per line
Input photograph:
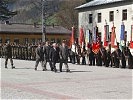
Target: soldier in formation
x=53 y=53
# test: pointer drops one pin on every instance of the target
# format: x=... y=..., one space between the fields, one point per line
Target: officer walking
x=8 y=54
x=39 y=56
x=64 y=57
x=47 y=48
x=54 y=56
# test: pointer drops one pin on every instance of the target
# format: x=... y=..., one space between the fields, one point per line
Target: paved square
x=84 y=82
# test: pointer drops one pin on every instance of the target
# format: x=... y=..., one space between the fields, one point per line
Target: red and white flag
x=81 y=37
x=113 y=38
x=72 y=37
x=131 y=42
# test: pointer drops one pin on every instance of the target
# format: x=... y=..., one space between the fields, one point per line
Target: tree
x=88 y=0
x=5 y=13
x=67 y=15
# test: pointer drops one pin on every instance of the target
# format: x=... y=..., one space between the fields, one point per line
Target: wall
x=32 y=36
x=84 y=19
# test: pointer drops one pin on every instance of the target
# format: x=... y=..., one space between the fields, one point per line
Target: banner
x=131 y=42
x=72 y=37
x=107 y=32
x=87 y=39
x=81 y=37
x=106 y=35
x=131 y=32
x=113 y=38
x=95 y=47
x=122 y=36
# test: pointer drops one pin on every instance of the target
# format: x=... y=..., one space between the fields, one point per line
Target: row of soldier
x=24 y=52
x=105 y=57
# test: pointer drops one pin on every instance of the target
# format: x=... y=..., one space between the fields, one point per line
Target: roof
x=29 y=28
x=98 y=2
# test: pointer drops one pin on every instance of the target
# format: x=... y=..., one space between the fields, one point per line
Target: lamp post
x=43 y=22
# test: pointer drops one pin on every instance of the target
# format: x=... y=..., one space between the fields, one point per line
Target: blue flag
x=122 y=36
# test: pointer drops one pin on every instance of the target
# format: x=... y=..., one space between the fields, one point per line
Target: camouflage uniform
x=8 y=55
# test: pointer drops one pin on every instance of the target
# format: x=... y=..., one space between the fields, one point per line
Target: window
x=52 y=40
x=124 y=14
x=16 y=40
x=90 y=18
x=7 y=40
x=39 y=40
x=33 y=41
x=25 y=40
x=0 y=40
x=99 y=17
x=111 y=16
x=47 y=39
x=58 y=40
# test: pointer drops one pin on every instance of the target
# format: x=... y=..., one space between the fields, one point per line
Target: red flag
x=131 y=42
x=95 y=47
x=113 y=38
x=81 y=37
x=105 y=37
x=72 y=36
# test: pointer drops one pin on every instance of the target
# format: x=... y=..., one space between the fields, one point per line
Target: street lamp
x=43 y=22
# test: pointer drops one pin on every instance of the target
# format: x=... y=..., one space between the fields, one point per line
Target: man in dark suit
x=47 y=48
x=8 y=54
x=64 y=57
x=39 y=56
x=54 y=56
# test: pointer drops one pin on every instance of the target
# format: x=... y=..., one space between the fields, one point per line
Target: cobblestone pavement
x=83 y=82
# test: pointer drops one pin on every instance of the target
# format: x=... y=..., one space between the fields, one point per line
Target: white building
x=97 y=11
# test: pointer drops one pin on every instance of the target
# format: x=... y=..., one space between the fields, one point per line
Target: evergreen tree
x=88 y=0
x=5 y=13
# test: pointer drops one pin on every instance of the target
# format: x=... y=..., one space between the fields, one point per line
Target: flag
x=106 y=35
x=81 y=37
x=96 y=40
x=113 y=38
x=72 y=37
x=131 y=42
x=94 y=35
x=122 y=36
x=87 y=37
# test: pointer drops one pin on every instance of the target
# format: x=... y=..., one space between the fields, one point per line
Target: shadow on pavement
x=78 y=71
x=23 y=68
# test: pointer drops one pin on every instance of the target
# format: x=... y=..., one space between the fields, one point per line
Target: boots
x=5 y=66
x=13 y=66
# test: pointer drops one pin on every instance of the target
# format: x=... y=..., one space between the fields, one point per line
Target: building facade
x=102 y=12
x=25 y=33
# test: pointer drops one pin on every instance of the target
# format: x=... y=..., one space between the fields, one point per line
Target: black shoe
x=35 y=69
x=44 y=69
x=60 y=70
x=55 y=70
x=67 y=70
x=13 y=67
x=5 y=66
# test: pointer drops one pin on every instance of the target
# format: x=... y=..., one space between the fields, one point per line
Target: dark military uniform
x=108 y=58
x=39 y=57
x=64 y=57
x=46 y=56
x=91 y=57
x=8 y=55
x=117 y=56
x=54 y=57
